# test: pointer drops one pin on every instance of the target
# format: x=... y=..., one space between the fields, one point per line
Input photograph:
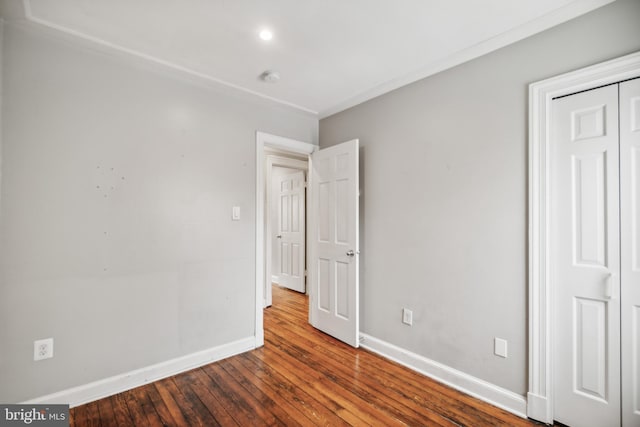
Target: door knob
x=350 y=252
x=608 y=286
x=279 y=236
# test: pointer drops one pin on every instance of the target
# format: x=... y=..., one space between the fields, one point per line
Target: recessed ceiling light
x=266 y=34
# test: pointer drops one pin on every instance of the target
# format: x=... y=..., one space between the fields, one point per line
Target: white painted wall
x=116 y=239
x=443 y=206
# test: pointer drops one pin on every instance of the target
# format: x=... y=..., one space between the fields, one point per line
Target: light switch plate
x=407 y=316
x=235 y=213
x=500 y=347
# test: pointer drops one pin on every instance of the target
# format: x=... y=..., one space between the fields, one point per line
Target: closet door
x=585 y=261
x=630 y=248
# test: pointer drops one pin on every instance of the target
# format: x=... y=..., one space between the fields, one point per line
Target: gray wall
x=444 y=201
x=116 y=236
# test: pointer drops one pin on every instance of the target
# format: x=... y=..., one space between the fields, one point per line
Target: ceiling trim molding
x=155 y=60
x=542 y=23
x=558 y=16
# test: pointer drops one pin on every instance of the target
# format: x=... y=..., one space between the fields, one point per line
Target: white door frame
x=539 y=396
x=267 y=140
x=275 y=160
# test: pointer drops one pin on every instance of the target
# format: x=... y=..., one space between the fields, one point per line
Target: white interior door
x=333 y=242
x=630 y=248
x=585 y=267
x=291 y=231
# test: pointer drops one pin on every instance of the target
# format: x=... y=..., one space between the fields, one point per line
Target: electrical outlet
x=500 y=347
x=407 y=316
x=43 y=349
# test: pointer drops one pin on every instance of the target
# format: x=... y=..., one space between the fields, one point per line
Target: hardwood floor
x=300 y=377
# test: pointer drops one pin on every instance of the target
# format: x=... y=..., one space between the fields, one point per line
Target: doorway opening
x=282 y=152
x=334 y=239
x=285 y=221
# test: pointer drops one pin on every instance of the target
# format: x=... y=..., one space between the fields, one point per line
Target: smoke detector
x=270 y=76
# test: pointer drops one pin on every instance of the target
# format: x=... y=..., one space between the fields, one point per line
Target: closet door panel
x=585 y=262
x=630 y=248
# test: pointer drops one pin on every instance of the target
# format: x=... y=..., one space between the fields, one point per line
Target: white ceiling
x=331 y=54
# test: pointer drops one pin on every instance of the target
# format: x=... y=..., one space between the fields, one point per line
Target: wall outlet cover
x=43 y=349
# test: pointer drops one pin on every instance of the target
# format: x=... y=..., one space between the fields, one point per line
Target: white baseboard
x=109 y=386
x=466 y=383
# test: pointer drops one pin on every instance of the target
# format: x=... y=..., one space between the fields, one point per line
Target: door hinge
x=306 y=273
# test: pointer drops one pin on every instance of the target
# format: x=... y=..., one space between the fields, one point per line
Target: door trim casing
x=539 y=396
x=267 y=140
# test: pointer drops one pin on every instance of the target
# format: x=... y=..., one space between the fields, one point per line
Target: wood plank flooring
x=301 y=377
